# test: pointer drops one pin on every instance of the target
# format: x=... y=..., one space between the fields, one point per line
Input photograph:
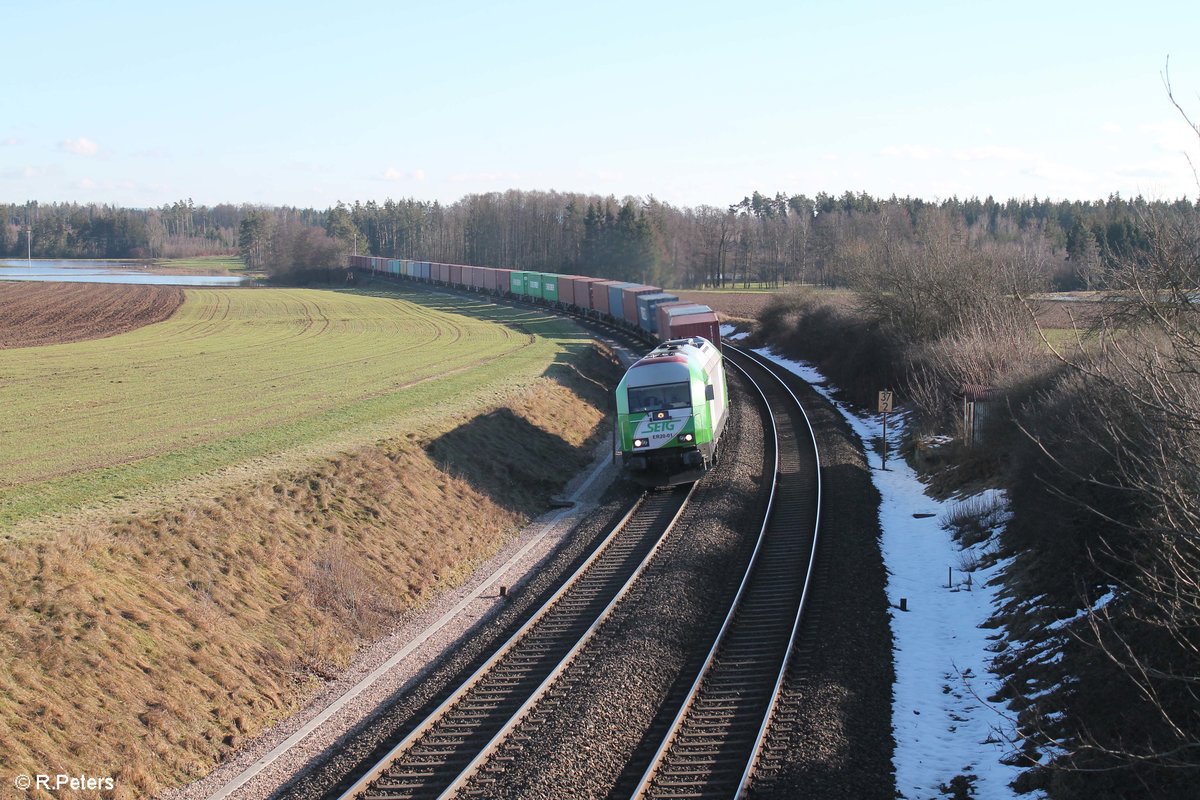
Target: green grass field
x=213 y=264
x=238 y=374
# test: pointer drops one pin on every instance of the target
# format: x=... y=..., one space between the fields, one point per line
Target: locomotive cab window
x=653 y=398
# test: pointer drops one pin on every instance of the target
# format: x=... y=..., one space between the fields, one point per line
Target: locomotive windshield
x=654 y=398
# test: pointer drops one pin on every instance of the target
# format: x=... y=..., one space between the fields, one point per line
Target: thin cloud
x=10 y=141
x=483 y=177
x=80 y=147
x=393 y=174
x=26 y=172
x=990 y=153
x=1170 y=137
x=914 y=152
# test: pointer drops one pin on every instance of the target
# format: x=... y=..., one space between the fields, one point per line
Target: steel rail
x=694 y=780
x=560 y=599
x=808 y=574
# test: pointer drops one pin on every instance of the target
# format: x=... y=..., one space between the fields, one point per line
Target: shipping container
x=533 y=285
x=569 y=292
x=502 y=279
x=456 y=275
x=516 y=282
x=423 y=270
x=600 y=295
x=665 y=310
x=583 y=292
x=549 y=286
x=703 y=324
x=616 y=306
x=648 y=309
x=629 y=296
x=489 y=279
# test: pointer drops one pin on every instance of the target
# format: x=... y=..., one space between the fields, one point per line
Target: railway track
x=711 y=747
x=447 y=748
x=712 y=743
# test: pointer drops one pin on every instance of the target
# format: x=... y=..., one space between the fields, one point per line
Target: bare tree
x=1118 y=473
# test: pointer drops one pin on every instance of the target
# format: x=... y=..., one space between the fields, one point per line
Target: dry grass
x=975 y=518
x=150 y=647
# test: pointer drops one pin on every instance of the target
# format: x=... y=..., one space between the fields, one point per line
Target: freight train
x=650 y=312
x=671 y=405
x=671 y=409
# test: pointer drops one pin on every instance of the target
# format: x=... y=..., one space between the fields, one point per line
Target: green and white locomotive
x=671 y=409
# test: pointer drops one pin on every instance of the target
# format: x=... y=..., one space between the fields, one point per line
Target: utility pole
x=885 y=405
x=29 y=245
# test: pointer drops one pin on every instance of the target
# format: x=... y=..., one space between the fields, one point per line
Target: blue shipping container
x=616 y=303
x=648 y=309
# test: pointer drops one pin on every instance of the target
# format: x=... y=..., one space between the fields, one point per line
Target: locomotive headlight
x=687 y=437
x=639 y=442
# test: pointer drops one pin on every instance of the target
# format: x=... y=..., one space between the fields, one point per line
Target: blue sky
x=695 y=103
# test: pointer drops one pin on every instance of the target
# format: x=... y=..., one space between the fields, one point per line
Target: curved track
x=714 y=741
x=447 y=748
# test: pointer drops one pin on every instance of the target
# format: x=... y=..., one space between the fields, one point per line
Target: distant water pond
x=16 y=269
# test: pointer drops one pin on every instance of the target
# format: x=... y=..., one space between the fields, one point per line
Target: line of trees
x=70 y=230
x=762 y=240
x=773 y=241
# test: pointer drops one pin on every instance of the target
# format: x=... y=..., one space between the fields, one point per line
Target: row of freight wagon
x=657 y=314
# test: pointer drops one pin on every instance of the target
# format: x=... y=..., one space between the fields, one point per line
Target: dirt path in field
x=34 y=314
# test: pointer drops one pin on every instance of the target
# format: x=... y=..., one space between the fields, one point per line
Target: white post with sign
x=885 y=407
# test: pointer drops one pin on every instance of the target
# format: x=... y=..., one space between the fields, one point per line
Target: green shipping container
x=516 y=283
x=533 y=285
x=549 y=286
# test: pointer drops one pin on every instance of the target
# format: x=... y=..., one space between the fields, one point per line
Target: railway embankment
x=152 y=642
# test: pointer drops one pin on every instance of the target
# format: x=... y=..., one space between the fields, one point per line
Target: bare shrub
x=933 y=280
x=975 y=518
x=335 y=583
x=1108 y=493
x=996 y=349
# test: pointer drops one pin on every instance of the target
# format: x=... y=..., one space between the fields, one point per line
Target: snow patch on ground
x=941 y=719
x=729 y=333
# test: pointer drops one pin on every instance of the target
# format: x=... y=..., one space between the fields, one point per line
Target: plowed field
x=730 y=305
x=34 y=314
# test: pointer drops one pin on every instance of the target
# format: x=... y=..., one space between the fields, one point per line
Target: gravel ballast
x=833 y=737
x=627 y=683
